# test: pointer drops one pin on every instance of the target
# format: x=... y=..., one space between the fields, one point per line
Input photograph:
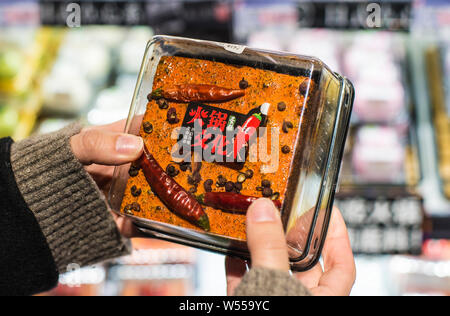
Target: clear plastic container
x=287 y=118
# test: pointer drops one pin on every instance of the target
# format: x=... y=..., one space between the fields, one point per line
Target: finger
x=117 y=127
x=339 y=264
x=100 y=170
x=126 y=227
x=102 y=175
x=105 y=147
x=235 y=269
x=120 y=126
x=265 y=236
x=310 y=279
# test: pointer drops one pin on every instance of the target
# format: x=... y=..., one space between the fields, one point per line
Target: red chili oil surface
x=264 y=87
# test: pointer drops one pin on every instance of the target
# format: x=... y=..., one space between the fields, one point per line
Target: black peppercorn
x=185 y=166
x=194 y=179
x=266 y=184
x=208 y=185
x=249 y=174
x=163 y=104
x=128 y=210
x=267 y=192
x=172 y=171
x=172 y=116
x=286 y=126
x=221 y=181
x=148 y=127
x=135 y=191
x=134 y=171
x=238 y=187
x=304 y=87
x=136 y=207
x=243 y=84
x=281 y=106
x=229 y=186
x=286 y=150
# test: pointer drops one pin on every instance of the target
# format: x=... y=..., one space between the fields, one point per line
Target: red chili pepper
x=198 y=93
x=228 y=201
x=176 y=198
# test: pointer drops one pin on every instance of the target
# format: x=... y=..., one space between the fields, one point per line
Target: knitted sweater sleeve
x=67 y=204
x=267 y=282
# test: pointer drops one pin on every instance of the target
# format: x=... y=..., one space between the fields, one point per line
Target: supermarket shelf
x=44 y=49
x=383 y=220
x=436 y=203
x=28 y=116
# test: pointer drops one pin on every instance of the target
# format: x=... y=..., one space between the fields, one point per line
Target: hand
x=101 y=148
x=267 y=245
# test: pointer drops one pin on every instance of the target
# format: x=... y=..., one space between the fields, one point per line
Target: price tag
x=234 y=48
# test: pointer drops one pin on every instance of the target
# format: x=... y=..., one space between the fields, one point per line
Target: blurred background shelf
x=395 y=182
x=23 y=67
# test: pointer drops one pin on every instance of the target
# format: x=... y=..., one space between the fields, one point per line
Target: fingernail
x=129 y=144
x=262 y=211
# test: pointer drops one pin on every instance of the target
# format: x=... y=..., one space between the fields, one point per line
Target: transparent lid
x=223 y=125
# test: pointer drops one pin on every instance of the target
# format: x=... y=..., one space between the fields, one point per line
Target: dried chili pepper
x=198 y=93
x=230 y=201
x=176 y=198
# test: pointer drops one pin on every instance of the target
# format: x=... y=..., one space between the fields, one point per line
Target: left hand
x=102 y=148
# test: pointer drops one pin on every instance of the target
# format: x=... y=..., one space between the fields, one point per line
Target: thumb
x=106 y=148
x=265 y=236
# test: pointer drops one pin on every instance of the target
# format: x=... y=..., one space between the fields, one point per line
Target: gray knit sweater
x=75 y=219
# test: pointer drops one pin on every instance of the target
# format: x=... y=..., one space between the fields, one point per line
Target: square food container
x=223 y=125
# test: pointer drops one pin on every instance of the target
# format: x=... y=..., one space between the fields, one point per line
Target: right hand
x=267 y=245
